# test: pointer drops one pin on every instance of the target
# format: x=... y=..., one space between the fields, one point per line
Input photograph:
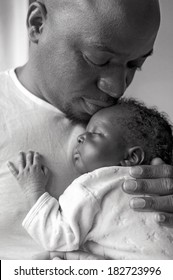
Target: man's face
x=89 y=52
x=103 y=142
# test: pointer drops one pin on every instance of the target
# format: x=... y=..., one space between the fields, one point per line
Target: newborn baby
x=93 y=213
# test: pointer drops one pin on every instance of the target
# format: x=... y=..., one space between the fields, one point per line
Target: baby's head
x=126 y=134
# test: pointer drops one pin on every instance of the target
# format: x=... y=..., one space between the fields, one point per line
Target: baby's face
x=102 y=144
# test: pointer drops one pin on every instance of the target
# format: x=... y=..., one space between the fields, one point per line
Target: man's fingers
x=12 y=168
x=153 y=203
x=162 y=186
x=164 y=219
x=152 y=171
x=157 y=161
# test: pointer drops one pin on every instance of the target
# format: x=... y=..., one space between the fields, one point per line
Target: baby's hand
x=30 y=174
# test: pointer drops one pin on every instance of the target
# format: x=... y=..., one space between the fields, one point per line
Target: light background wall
x=154 y=84
x=13 y=33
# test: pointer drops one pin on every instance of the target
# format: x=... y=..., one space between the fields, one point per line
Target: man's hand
x=30 y=175
x=157 y=182
x=76 y=255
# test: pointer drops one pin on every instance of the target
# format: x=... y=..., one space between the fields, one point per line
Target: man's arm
x=155 y=180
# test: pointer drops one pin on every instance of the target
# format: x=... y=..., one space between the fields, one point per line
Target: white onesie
x=94 y=214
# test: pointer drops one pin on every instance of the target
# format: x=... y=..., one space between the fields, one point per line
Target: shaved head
x=145 y=6
x=84 y=53
x=134 y=13
x=148 y=9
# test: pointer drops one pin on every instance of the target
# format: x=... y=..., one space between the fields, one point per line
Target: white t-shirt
x=29 y=123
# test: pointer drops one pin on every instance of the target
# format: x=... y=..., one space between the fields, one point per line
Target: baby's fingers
x=37 y=159
x=45 y=171
x=21 y=161
x=12 y=169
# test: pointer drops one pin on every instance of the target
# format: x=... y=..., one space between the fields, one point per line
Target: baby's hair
x=147 y=128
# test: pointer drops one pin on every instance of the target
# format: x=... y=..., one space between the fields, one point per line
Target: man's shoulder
x=4 y=75
x=6 y=83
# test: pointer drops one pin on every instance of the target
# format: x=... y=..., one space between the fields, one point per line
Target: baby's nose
x=81 y=138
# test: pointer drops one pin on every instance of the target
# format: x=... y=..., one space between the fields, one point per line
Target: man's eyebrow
x=108 y=49
x=148 y=54
x=101 y=47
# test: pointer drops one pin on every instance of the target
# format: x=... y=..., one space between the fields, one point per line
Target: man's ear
x=35 y=20
x=135 y=156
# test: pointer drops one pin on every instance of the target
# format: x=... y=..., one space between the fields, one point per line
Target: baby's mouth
x=76 y=154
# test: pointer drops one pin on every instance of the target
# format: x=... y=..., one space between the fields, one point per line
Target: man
x=83 y=55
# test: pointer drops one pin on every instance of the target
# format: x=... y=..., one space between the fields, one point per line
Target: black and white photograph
x=86 y=130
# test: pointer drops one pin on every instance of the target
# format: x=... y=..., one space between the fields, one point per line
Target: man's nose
x=113 y=83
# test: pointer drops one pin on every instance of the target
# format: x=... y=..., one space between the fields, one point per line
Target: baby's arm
x=30 y=175
x=54 y=226
x=64 y=224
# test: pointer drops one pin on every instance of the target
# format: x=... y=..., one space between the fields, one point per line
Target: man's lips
x=91 y=106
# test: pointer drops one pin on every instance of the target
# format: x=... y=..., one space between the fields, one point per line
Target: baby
x=93 y=213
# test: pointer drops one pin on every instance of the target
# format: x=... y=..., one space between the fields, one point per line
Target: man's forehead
x=148 y=9
x=117 y=4
x=131 y=10
x=137 y=4
x=100 y=20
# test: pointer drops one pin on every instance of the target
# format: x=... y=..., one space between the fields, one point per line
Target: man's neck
x=26 y=77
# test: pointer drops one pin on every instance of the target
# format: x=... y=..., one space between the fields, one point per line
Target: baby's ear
x=135 y=156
